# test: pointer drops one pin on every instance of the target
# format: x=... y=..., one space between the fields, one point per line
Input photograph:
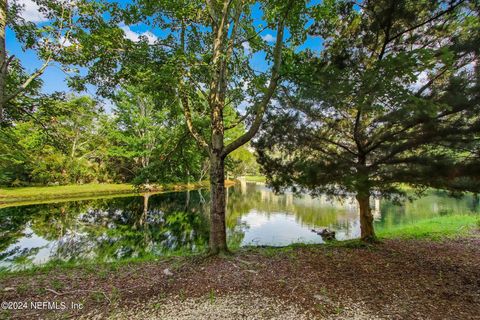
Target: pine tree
x=392 y=99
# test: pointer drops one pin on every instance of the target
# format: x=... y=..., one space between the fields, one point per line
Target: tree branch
x=277 y=61
x=188 y=117
x=236 y=123
x=319 y=137
x=439 y=74
x=449 y=9
x=27 y=82
x=440 y=14
x=421 y=139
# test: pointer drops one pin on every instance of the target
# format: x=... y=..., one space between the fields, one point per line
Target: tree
x=62 y=143
x=140 y=125
x=139 y=128
x=149 y=134
x=392 y=99
x=230 y=25
x=50 y=41
x=202 y=63
x=241 y=162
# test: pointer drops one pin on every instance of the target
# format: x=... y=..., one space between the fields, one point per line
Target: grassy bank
x=30 y=193
x=433 y=228
x=327 y=280
x=72 y=192
x=255 y=178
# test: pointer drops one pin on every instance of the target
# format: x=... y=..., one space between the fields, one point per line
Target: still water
x=157 y=224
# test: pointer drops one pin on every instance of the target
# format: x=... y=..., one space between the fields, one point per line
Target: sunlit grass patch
x=255 y=178
x=25 y=193
x=432 y=228
x=35 y=195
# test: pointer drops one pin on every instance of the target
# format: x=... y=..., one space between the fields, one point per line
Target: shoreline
x=48 y=194
x=434 y=230
x=408 y=278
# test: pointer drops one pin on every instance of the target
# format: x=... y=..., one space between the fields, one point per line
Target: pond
x=108 y=229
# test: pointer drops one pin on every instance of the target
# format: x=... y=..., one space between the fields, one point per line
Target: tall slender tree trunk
x=218 y=236
x=366 y=218
x=3 y=56
x=224 y=30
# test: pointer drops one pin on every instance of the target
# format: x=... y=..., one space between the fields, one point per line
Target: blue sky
x=54 y=77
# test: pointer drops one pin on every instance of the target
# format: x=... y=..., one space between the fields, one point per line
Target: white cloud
x=246 y=47
x=31 y=11
x=268 y=37
x=151 y=38
x=255 y=220
x=135 y=37
x=65 y=41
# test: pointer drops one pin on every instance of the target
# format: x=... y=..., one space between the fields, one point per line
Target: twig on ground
x=77 y=291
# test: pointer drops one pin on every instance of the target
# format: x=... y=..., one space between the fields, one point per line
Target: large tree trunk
x=366 y=217
x=218 y=236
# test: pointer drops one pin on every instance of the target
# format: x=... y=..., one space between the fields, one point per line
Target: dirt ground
x=396 y=279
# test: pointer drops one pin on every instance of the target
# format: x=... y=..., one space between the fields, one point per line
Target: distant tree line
x=72 y=140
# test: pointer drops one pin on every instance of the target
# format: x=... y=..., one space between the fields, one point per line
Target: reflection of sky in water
x=30 y=241
x=279 y=220
x=116 y=228
x=277 y=229
x=281 y=229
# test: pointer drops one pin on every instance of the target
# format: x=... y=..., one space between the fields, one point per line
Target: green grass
x=19 y=194
x=433 y=228
x=255 y=178
x=101 y=267
x=30 y=195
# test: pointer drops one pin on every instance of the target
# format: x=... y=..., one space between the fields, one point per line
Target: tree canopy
x=389 y=97
x=392 y=99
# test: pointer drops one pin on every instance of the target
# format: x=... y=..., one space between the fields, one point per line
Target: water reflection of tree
x=433 y=203
x=307 y=211
x=13 y=222
x=108 y=228
x=134 y=230
x=24 y=221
